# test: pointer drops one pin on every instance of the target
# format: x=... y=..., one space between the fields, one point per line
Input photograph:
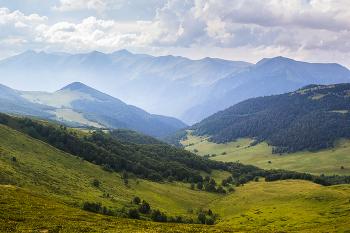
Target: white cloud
x=294 y=28
x=98 y=5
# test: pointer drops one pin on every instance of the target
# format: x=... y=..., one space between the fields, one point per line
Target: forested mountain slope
x=311 y=118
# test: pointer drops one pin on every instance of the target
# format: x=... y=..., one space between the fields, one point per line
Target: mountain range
x=189 y=90
x=165 y=85
x=78 y=104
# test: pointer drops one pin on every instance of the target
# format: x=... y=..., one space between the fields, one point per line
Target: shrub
x=92 y=207
x=209 y=221
x=199 y=185
x=144 y=207
x=170 y=179
x=14 y=159
x=201 y=218
x=96 y=183
x=136 y=200
x=133 y=213
x=192 y=186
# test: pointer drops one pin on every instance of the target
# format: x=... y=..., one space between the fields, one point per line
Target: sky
x=240 y=30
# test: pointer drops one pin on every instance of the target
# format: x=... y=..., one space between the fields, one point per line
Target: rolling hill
x=79 y=104
x=44 y=189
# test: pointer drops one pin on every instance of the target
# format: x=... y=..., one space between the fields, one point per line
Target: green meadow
x=327 y=161
x=44 y=188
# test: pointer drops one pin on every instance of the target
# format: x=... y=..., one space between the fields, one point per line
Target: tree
x=136 y=200
x=96 y=183
x=133 y=213
x=144 y=207
x=158 y=216
x=256 y=179
x=170 y=179
x=206 y=178
x=192 y=186
x=224 y=182
x=14 y=159
x=125 y=175
x=199 y=185
x=209 y=221
x=212 y=182
x=126 y=181
x=201 y=218
x=210 y=212
x=32 y=132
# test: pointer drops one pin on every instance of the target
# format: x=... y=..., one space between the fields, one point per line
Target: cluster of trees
x=290 y=122
x=133 y=136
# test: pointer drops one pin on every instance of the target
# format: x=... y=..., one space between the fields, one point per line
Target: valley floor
x=327 y=161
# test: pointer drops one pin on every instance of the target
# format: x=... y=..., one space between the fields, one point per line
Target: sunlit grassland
x=22 y=210
x=63 y=177
x=288 y=205
x=56 y=179
x=327 y=161
x=70 y=115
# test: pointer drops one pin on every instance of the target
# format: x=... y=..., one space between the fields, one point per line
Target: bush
x=209 y=221
x=192 y=186
x=133 y=213
x=144 y=207
x=199 y=185
x=136 y=200
x=157 y=216
x=96 y=183
x=107 y=167
x=14 y=159
x=92 y=207
x=201 y=218
x=256 y=179
x=231 y=189
x=170 y=179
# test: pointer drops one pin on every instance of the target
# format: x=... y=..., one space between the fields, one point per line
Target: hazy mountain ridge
x=90 y=104
x=268 y=77
x=165 y=85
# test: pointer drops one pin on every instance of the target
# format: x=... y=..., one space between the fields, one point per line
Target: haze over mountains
x=80 y=104
x=189 y=90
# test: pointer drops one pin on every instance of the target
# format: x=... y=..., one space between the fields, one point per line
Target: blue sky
x=248 y=30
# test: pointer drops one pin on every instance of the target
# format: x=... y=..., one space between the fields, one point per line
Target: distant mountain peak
x=74 y=86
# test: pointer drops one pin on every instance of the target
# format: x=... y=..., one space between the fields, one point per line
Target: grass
x=22 y=210
x=327 y=161
x=70 y=115
x=48 y=181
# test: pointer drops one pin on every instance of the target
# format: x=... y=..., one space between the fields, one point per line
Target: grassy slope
x=22 y=210
x=65 y=179
x=325 y=161
x=70 y=115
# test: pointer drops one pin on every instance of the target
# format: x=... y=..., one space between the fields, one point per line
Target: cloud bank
x=302 y=29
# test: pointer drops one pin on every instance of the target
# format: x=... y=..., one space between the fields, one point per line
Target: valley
x=57 y=184
x=326 y=161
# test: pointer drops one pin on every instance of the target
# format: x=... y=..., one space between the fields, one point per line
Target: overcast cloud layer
x=249 y=30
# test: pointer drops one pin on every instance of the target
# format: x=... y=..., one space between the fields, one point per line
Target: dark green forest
x=305 y=119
